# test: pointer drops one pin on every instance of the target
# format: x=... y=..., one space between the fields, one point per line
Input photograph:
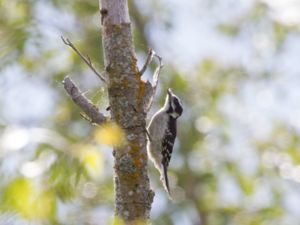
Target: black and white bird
x=162 y=130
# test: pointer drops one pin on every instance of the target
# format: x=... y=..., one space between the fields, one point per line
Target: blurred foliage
x=59 y=170
x=23 y=196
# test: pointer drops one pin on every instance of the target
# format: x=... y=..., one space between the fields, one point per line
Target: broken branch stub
x=85 y=104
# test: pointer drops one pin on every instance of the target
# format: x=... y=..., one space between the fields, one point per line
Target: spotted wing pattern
x=167 y=148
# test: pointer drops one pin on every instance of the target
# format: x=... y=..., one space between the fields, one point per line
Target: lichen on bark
x=130 y=99
x=126 y=93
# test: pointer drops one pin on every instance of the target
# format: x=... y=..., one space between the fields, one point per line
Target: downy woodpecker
x=162 y=132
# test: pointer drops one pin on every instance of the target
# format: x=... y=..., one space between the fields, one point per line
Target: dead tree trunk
x=128 y=98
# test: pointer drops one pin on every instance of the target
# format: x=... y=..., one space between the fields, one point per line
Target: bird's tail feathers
x=165 y=180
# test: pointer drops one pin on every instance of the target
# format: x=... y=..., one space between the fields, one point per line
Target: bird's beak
x=170 y=93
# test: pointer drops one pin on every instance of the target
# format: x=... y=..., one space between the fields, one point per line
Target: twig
x=154 y=83
x=86 y=105
x=157 y=72
x=86 y=59
x=151 y=53
x=84 y=116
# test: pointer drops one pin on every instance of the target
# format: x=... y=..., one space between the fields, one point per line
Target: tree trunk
x=126 y=90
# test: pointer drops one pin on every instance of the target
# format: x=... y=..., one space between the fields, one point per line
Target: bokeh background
x=235 y=65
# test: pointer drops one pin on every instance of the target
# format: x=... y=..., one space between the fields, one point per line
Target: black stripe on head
x=178 y=107
x=174 y=106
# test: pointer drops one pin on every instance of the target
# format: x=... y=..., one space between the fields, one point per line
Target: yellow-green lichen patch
x=141 y=93
x=125 y=82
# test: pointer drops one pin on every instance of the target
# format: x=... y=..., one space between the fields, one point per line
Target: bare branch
x=157 y=73
x=151 y=90
x=151 y=53
x=86 y=105
x=87 y=59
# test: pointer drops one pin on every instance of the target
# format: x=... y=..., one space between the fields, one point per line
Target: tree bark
x=128 y=100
